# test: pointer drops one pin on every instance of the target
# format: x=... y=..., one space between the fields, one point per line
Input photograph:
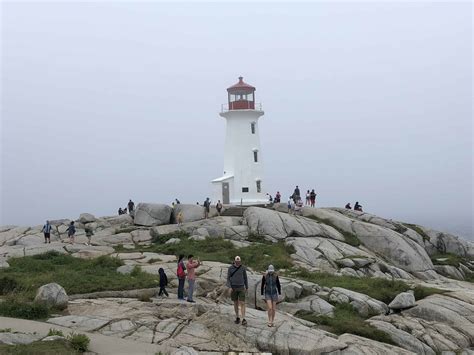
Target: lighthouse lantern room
x=242 y=180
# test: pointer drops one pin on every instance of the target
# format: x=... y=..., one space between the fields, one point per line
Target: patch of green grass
x=347 y=320
x=53 y=331
x=8 y=285
x=256 y=256
x=26 y=310
x=451 y=259
x=56 y=347
x=74 y=274
x=350 y=238
x=418 y=230
x=381 y=289
x=256 y=238
x=80 y=342
x=163 y=238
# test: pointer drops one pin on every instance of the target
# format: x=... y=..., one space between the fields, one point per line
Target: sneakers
x=237 y=320
x=244 y=322
x=191 y=301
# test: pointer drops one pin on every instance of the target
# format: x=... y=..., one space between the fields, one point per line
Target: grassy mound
x=381 y=289
x=347 y=320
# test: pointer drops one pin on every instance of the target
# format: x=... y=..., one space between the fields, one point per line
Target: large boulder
x=86 y=218
x=363 y=346
x=152 y=214
x=400 y=250
x=190 y=213
x=403 y=300
x=442 y=243
x=278 y=225
x=52 y=295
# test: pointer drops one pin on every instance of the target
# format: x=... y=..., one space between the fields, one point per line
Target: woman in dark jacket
x=163 y=282
x=271 y=288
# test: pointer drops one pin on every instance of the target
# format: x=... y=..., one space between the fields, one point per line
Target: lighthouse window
x=252 y=127
x=245 y=189
x=259 y=186
x=255 y=156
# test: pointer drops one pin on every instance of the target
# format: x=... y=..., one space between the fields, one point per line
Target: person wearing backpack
x=163 y=282
x=237 y=282
x=270 y=285
x=181 y=273
x=71 y=231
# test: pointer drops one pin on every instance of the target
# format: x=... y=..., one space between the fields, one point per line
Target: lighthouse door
x=225 y=193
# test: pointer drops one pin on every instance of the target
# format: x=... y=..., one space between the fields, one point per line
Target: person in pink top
x=191 y=267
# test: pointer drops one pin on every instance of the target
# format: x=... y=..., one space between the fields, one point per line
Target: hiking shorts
x=238 y=294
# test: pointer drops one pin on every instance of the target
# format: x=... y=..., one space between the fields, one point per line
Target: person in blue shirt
x=47 y=232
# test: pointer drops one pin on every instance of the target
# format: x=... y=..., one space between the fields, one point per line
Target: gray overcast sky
x=102 y=102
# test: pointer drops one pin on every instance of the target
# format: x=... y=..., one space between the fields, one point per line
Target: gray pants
x=191 y=289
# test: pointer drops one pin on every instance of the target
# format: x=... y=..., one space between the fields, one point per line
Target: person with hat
x=237 y=282
x=271 y=287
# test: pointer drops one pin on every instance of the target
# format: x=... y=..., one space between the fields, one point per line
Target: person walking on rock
x=207 y=207
x=181 y=273
x=47 y=232
x=71 y=232
x=270 y=286
x=89 y=234
x=191 y=266
x=163 y=282
x=238 y=283
x=312 y=198
x=219 y=207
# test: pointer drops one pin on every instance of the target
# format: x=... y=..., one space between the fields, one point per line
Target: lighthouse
x=242 y=180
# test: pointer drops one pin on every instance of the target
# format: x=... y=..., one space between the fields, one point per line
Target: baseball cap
x=237 y=258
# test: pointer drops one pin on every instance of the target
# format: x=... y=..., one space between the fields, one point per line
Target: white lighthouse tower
x=242 y=181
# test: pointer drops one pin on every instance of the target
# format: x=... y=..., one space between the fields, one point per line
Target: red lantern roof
x=241 y=86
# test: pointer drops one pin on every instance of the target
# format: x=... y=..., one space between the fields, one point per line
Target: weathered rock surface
x=397 y=248
x=52 y=295
x=362 y=303
x=403 y=300
x=278 y=225
x=10 y=338
x=204 y=327
x=190 y=213
x=86 y=218
x=152 y=214
x=362 y=346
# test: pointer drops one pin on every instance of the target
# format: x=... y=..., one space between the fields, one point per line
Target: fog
x=369 y=102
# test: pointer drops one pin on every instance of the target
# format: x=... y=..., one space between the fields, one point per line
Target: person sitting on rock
x=348 y=206
x=163 y=282
x=120 y=211
x=125 y=210
x=177 y=201
x=270 y=285
x=357 y=207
